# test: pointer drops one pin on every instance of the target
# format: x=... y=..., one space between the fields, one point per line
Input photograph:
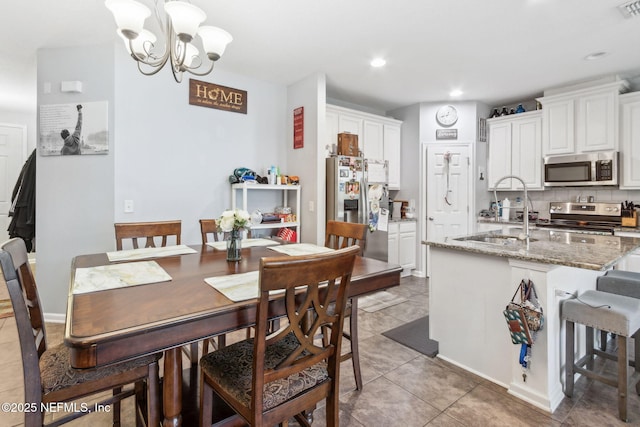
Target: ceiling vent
x=630 y=9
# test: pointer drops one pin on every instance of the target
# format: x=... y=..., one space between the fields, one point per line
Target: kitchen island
x=472 y=279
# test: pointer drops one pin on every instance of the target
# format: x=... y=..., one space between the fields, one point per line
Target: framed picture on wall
x=74 y=129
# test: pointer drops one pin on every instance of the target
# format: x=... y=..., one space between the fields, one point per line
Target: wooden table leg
x=172 y=388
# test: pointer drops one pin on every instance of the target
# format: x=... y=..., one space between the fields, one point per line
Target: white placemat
x=114 y=276
x=143 y=253
x=301 y=249
x=236 y=287
x=246 y=243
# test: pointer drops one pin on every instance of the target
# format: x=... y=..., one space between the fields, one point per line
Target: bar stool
x=609 y=312
x=625 y=283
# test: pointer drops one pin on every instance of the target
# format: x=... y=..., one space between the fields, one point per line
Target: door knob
x=431 y=218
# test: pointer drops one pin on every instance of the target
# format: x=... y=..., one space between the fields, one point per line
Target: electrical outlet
x=563 y=293
x=312 y=206
x=128 y=206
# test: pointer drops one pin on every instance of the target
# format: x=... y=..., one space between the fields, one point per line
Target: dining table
x=106 y=326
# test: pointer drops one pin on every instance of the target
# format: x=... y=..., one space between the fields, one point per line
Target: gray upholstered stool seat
x=625 y=283
x=609 y=312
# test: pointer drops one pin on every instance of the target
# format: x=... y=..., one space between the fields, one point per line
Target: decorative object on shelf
x=181 y=22
x=512 y=111
x=520 y=109
x=447 y=115
x=495 y=113
x=233 y=222
x=504 y=112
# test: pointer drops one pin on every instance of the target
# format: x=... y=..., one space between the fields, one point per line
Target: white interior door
x=448 y=195
x=13 y=145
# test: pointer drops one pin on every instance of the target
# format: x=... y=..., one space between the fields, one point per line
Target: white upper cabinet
x=373 y=140
x=630 y=141
x=378 y=137
x=515 y=148
x=581 y=120
x=558 y=129
x=392 y=154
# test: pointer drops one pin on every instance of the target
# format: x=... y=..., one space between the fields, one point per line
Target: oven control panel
x=595 y=209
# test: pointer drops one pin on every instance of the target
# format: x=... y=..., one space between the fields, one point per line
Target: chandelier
x=181 y=23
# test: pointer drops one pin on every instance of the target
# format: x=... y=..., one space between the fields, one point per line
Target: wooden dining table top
x=119 y=324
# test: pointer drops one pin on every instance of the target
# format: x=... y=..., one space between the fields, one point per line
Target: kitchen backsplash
x=541 y=199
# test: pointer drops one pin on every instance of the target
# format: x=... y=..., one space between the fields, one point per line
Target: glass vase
x=234 y=246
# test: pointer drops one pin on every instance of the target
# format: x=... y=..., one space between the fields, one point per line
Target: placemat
x=6 y=308
x=301 y=249
x=114 y=276
x=236 y=287
x=143 y=253
x=246 y=243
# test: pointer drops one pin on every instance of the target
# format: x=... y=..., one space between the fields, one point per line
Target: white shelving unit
x=245 y=189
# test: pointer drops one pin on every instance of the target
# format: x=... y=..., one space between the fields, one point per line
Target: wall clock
x=447 y=115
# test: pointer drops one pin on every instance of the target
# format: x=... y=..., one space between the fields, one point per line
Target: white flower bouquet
x=234 y=220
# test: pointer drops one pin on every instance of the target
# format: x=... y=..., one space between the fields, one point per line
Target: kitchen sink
x=496 y=239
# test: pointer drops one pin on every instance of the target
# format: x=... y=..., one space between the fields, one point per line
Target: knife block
x=630 y=221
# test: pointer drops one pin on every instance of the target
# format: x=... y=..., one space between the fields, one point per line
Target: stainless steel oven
x=597 y=168
x=588 y=218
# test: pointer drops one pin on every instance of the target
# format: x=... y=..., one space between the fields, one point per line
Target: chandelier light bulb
x=214 y=41
x=129 y=15
x=185 y=18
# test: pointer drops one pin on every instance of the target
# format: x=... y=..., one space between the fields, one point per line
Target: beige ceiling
x=496 y=51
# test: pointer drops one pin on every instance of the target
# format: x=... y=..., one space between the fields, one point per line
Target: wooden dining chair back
x=150 y=231
x=339 y=235
x=208 y=227
x=48 y=376
x=273 y=377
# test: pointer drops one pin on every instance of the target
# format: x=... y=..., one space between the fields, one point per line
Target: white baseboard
x=54 y=317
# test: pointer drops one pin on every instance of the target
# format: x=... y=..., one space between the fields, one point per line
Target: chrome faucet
x=525 y=215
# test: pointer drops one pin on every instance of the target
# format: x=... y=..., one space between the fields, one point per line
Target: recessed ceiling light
x=595 y=55
x=378 y=62
x=456 y=92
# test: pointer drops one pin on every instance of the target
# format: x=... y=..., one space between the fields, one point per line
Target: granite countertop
x=403 y=220
x=592 y=252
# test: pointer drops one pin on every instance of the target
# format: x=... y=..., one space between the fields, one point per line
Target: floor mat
x=378 y=301
x=415 y=335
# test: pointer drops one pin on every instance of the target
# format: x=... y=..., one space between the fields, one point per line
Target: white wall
x=172 y=159
x=308 y=162
x=74 y=198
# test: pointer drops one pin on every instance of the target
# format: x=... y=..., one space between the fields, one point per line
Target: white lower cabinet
x=402 y=245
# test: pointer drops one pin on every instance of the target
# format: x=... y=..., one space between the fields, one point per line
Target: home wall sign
x=446 y=133
x=211 y=95
x=298 y=127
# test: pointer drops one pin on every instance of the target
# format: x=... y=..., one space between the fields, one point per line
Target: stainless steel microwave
x=597 y=168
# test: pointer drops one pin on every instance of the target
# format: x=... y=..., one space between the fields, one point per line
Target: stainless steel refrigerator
x=357 y=191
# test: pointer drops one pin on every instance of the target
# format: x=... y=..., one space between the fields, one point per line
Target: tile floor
x=402 y=387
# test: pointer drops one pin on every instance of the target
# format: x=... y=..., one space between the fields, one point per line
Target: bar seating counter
x=471 y=280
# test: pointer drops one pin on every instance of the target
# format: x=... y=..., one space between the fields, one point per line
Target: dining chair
x=270 y=378
x=148 y=231
x=48 y=376
x=210 y=227
x=341 y=235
